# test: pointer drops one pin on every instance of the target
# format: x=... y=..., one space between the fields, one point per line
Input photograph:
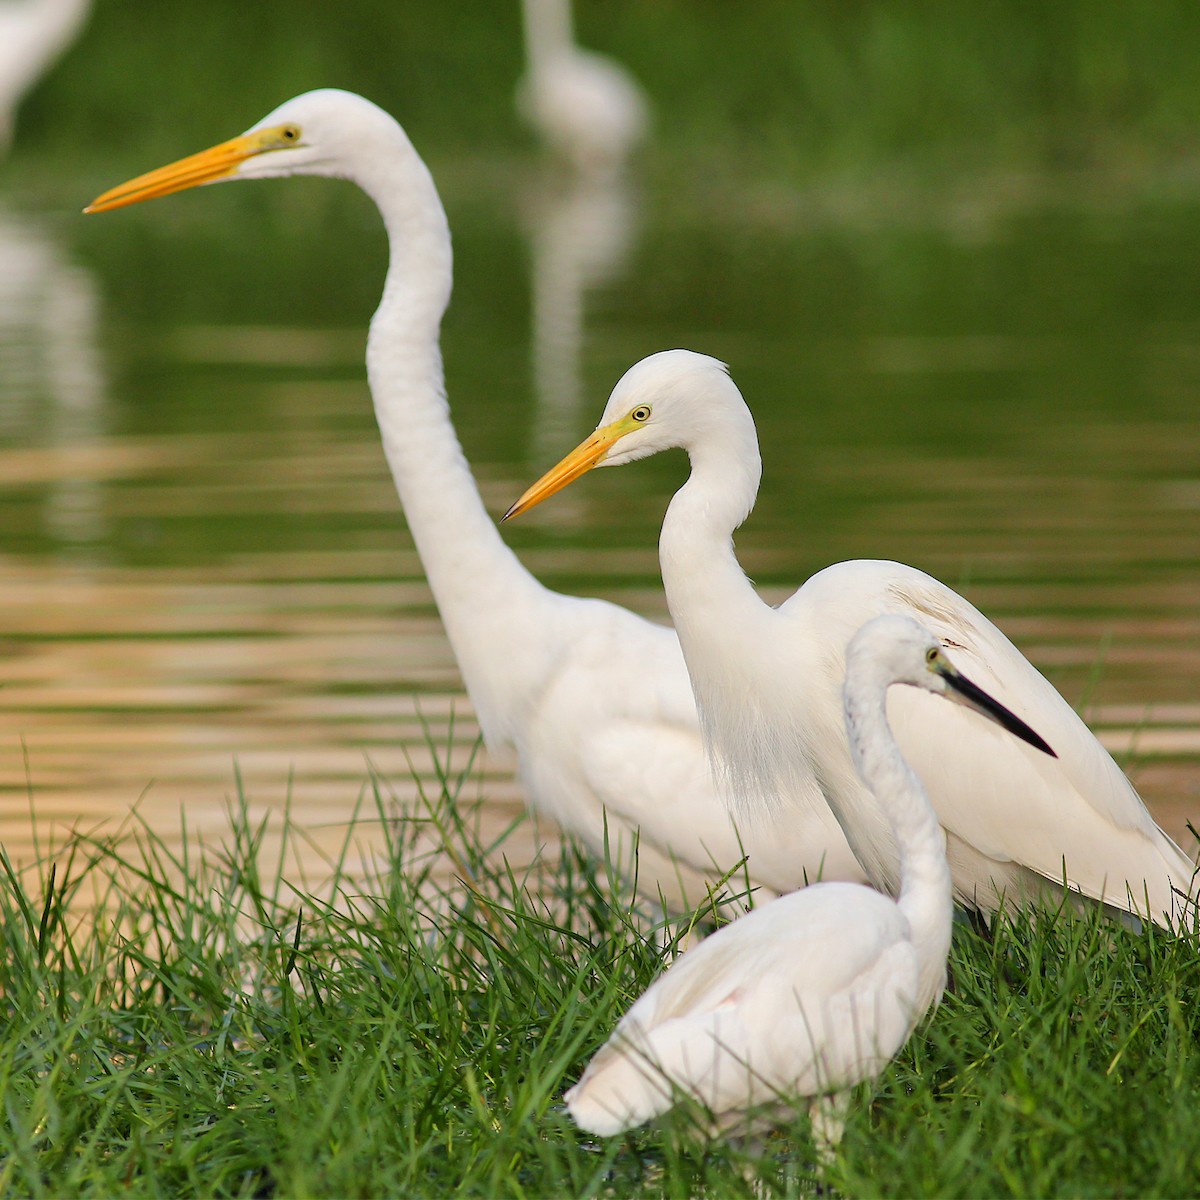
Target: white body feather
x=594 y=700
x=812 y=993
x=808 y=994
x=767 y=683
x=33 y=33
x=586 y=107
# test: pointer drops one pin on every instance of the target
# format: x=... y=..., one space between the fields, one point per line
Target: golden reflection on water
x=148 y=687
x=308 y=674
x=302 y=671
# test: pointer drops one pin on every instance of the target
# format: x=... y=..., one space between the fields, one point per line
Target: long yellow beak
x=206 y=167
x=583 y=458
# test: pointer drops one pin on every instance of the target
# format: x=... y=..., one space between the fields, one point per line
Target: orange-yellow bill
x=205 y=167
x=583 y=458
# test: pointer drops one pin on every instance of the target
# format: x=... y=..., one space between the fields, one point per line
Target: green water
x=970 y=344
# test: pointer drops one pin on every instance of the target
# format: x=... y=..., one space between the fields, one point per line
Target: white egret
x=767 y=681
x=33 y=33
x=816 y=991
x=594 y=700
x=586 y=107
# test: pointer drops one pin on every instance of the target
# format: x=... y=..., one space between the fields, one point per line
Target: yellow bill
x=208 y=166
x=583 y=458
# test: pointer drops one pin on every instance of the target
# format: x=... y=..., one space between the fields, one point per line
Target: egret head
x=671 y=399
x=897 y=649
x=312 y=134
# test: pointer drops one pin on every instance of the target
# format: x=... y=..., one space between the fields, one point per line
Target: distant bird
x=594 y=700
x=587 y=108
x=767 y=681
x=33 y=33
x=817 y=991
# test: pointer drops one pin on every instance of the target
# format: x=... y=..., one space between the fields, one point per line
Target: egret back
x=1007 y=808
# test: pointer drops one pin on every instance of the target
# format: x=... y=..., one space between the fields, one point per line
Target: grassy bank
x=191 y=1023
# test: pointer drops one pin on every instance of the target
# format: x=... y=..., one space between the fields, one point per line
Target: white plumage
x=33 y=33
x=594 y=700
x=810 y=994
x=586 y=107
x=767 y=681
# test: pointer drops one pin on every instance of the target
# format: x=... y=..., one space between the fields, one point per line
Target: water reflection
x=581 y=232
x=148 y=686
x=52 y=386
x=249 y=593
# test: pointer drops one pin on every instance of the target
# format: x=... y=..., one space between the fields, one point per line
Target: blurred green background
x=786 y=90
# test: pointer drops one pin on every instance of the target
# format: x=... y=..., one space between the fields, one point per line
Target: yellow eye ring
x=932 y=655
x=641 y=413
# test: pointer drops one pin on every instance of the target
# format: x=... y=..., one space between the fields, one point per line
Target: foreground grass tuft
x=188 y=1022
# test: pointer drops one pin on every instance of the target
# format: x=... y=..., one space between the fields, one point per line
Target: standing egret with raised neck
x=817 y=991
x=585 y=106
x=594 y=699
x=767 y=682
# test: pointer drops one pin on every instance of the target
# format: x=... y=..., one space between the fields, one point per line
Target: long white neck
x=706 y=587
x=925 y=896
x=489 y=603
x=724 y=627
x=548 y=31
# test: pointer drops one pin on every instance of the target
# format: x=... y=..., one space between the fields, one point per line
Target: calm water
x=204 y=560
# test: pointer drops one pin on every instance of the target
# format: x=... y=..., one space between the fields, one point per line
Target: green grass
x=198 y=1022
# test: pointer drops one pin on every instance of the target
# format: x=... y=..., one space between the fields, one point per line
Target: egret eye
x=290 y=133
x=932 y=655
x=641 y=413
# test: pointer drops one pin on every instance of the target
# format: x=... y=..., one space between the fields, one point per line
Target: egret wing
x=803 y=995
x=616 y=750
x=995 y=793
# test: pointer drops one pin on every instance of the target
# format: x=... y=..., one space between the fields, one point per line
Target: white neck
x=484 y=595
x=725 y=629
x=548 y=31
x=925 y=896
x=706 y=588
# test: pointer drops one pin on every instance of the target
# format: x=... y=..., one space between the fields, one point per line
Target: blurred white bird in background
x=33 y=33
x=767 y=682
x=587 y=108
x=817 y=991
x=594 y=700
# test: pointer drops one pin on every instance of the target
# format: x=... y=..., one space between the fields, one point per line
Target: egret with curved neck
x=767 y=681
x=817 y=991
x=594 y=700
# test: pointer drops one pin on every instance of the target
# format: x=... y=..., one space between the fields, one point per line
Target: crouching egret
x=816 y=991
x=767 y=681
x=594 y=700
